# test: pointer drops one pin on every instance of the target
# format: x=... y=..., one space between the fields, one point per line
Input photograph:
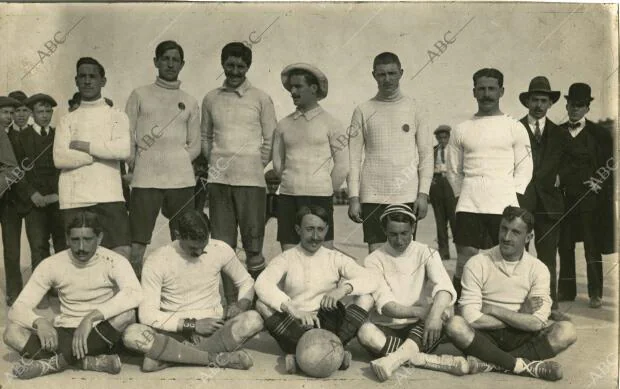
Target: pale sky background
x=565 y=42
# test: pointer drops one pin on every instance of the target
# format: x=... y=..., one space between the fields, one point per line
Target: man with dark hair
x=588 y=196
x=22 y=117
x=302 y=287
x=89 y=144
x=390 y=130
x=237 y=126
x=441 y=194
x=505 y=305
x=163 y=121
x=542 y=196
x=412 y=303
x=489 y=166
x=181 y=315
x=310 y=155
x=98 y=292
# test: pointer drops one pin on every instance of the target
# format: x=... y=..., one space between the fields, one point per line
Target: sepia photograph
x=309 y=195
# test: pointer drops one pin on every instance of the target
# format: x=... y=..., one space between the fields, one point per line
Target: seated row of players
x=402 y=306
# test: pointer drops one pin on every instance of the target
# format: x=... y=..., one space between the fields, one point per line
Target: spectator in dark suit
x=542 y=196
x=586 y=192
x=441 y=194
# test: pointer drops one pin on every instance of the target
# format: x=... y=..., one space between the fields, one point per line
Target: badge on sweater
x=406 y=127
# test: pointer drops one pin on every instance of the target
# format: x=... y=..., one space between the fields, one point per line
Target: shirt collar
x=582 y=121
x=498 y=259
x=167 y=84
x=240 y=90
x=309 y=115
x=37 y=128
x=532 y=122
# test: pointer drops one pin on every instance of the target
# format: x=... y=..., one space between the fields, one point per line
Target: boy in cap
x=542 y=196
x=412 y=303
x=88 y=146
x=237 y=127
x=441 y=194
x=22 y=116
x=391 y=132
x=310 y=153
x=44 y=219
x=588 y=199
x=10 y=194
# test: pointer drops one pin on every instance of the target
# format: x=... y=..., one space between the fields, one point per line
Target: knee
x=9 y=334
x=15 y=336
x=250 y=323
x=563 y=335
x=457 y=328
x=365 y=301
x=366 y=333
x=136 y=336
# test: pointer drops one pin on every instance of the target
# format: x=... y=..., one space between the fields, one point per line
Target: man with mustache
x=542 y=196
x=182 y=320
x=302 y=287
x=505 y=305
x=310 y=153
x=89 y=144
x=588 y=195
x=390 y=130
x=237 y=126
x=489 y=166
x=98 y=292
x=164 y=122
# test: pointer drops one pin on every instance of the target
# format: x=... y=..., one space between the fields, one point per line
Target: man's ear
x=298 y=229
x=501 y=92
x=103 y=81
x=99 y=238
x=529 y=236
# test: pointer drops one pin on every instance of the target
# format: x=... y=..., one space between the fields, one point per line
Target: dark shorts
x=478 y=230
x=203 y=343
x=373 y=232
x=413 y=331
x=114 y=222
x=244 y=206
x=146 y=204
x=287 y=211
x=33 y=350
x=512 y=340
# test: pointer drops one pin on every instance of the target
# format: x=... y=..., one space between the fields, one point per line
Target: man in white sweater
x=489 y=166
x=302 y=287
x=181 y=315
x=98 y=292
x=310 y=153
x=164 y=122
x=390 y=131
x=88 y=146
x=505 y=306
x=412 y=303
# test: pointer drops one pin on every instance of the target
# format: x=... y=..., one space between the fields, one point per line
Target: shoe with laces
x=102 y=363
x=545 y=370
x=447 y=363
x=477 y=365
x=26 y=369
x=234 y=360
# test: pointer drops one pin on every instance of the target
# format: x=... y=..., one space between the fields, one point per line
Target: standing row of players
x=163 y=137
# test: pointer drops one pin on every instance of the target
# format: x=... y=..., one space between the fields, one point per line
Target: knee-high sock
x=353 y=319
x=222 y=340
x=456 y=282
x=286 y=330
x=168 y=349
x=392 y=343
x=481 y=347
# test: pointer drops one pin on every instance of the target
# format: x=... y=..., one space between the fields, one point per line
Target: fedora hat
x=579 y=92
x=320 y=76
x=540 y=85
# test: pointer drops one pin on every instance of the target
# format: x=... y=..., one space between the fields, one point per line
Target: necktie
x=443 y=154
x=537 y=133
x=43 y=132
x=574 y=126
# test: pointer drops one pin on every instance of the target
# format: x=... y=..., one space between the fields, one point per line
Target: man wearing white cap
x=309 y=152
x=390 y=131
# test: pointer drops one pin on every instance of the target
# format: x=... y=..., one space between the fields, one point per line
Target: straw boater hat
x=579 y=92
x=539 y=85
x=321 y=93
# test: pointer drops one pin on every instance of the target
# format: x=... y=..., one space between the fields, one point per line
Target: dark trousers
x=41 y=224
x=11 y=237
x=444 y=205
x=547 y=236
x=584 y=223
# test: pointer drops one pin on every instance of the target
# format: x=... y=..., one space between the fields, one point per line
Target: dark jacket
x=17 y=195
x=41 y=174
x=541 y=195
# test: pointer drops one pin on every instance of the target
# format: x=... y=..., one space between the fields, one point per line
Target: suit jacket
x=541 y=195
x=37 y=179
x=600 y=147
x=17 y=195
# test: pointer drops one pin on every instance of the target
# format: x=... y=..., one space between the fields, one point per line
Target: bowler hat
x=539 y=85
x=320 y=76
x=40 y=97
x=442 y=128
x=9 y=102
x=579 y=92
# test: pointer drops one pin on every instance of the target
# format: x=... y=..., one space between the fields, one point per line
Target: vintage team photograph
x=309 y=195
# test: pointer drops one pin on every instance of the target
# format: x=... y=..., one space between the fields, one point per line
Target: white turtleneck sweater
x=392 y=134
x=165 y=135
x=90 y=178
